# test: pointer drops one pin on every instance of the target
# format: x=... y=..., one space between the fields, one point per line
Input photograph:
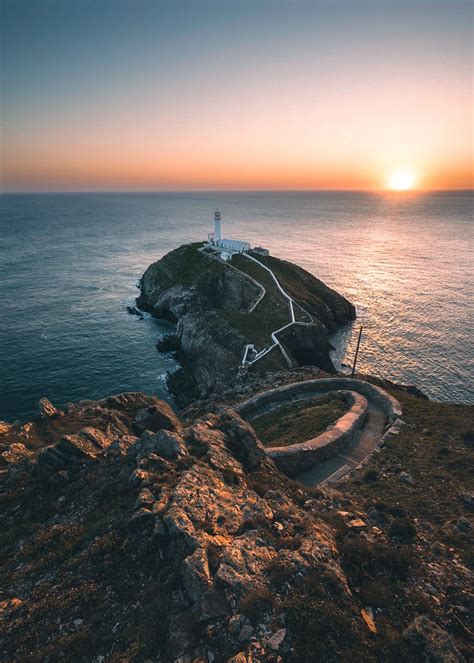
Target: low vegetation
x=299 y=422
x=271 y=313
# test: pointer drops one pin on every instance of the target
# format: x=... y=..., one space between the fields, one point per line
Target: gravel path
x=364 y=442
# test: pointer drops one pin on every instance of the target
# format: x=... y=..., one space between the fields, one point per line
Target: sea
x=70 y=263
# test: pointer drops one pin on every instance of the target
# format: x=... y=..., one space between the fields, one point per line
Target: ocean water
x=69 y=264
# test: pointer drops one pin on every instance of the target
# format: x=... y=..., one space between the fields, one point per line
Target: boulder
x=433 y=643
x=164 y=443
x=16 y=452
x=406 y=478
x=156 y=417
x=131 y=310
x=274 y=643
x=47 y=409
x=239 y=658
x=169 y=445
x=196 y=576
x=213 y=605
x=241 y=440
x=72 y=450
x=121 y=445
x=243 y=564
x=4 y=427
x=246 y=632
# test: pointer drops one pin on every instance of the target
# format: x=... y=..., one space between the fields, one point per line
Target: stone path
x=362 y=445
x=293 y=321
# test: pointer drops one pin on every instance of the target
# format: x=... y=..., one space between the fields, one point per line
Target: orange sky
x=299 y=107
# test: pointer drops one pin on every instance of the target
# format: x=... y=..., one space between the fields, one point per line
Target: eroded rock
x=157 y=417
x=47 y=409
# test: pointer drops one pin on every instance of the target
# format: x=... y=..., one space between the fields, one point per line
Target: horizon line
x=178 y=191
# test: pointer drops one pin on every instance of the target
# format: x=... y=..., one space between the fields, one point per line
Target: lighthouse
x=225 y=247
x=217 y=226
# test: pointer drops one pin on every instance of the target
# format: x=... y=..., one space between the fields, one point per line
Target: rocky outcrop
x=47 y=409
x=72 y=450
x=207 y=519
x=186 y=543
x=185 y=280
x=212 y=303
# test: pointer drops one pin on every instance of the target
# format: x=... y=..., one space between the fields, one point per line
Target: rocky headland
x=219 y=309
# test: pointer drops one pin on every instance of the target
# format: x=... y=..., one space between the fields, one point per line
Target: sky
x=248 y=94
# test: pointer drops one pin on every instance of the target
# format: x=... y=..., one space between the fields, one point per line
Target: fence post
x=357 y=352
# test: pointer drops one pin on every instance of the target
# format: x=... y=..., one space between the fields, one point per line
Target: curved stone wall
x=298 y=457
x=388 y=403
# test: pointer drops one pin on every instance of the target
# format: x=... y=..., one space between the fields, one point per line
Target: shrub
x=403 y=529
x=279 y=573
x=377 y=593
x=397 y=511
x=322 y=623
x=370 y=476
x=363 y=560
x=257 y=602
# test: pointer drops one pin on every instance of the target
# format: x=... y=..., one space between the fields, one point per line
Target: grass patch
x=299 y=422
x=311 y=293
x=270 y=314
x=431 y=448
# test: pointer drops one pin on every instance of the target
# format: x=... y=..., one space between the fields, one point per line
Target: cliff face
x=185 y=281
x=219 y=308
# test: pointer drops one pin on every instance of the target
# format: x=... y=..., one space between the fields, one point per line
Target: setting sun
x=402 y=179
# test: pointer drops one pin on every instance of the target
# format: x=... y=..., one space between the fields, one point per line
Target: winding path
x=293 y=321
x=373 y=415
x=250 y=347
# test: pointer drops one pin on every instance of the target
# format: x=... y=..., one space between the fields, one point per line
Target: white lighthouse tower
x=224 y=247
x=217 y=226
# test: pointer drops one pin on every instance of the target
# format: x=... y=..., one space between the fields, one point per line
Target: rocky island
x=221 y=307
x=132 y=532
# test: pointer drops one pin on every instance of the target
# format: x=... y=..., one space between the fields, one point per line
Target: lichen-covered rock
x=196 y=575
x=243 y=563
x=121 y=445
x=164 y=443
x=72 y=450
x=4 y=427
x=16 y=452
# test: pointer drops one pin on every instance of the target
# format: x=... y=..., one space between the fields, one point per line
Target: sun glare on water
x=402 y=179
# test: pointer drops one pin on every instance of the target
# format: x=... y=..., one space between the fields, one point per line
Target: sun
x=402 y=179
